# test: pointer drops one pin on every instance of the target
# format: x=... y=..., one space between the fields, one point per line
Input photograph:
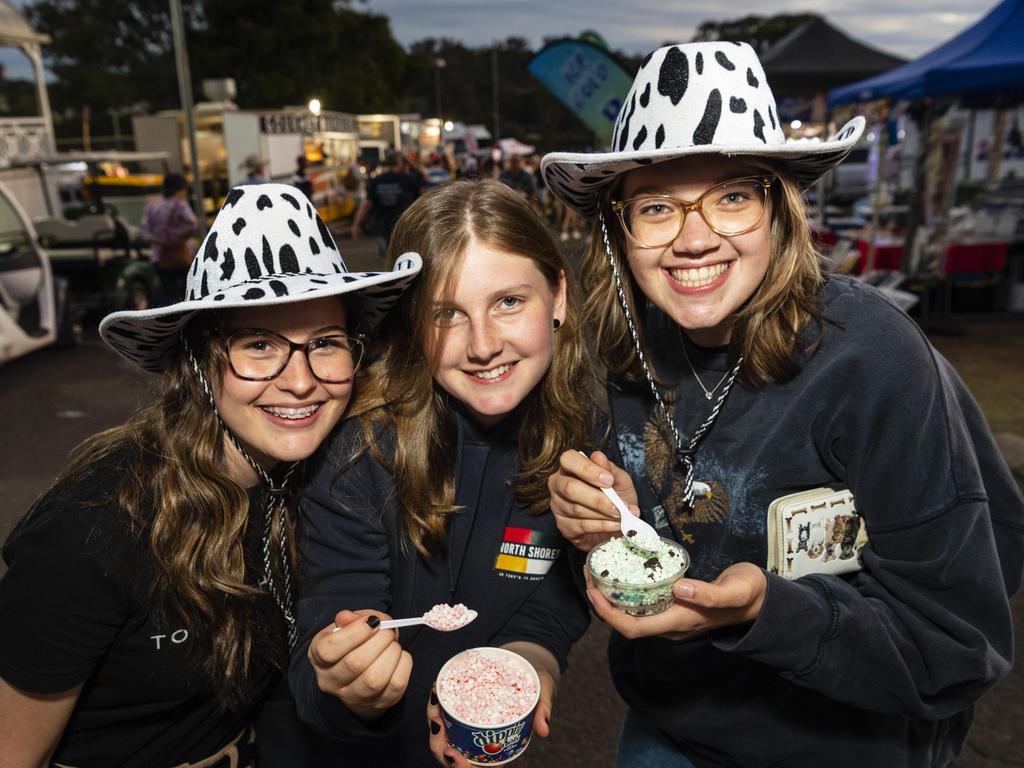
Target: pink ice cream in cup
x=488 y=697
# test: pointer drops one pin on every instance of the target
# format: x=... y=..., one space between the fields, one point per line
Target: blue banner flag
x=586 y=79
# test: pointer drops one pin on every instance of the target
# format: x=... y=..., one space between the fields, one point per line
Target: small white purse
x=815 y=531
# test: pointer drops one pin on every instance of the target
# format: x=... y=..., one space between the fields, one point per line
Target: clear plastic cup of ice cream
x=637 y=581
x=488 y=697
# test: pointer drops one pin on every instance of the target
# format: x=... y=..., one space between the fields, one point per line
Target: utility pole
x=185 y=92
x=439 y=64
x=494 y=84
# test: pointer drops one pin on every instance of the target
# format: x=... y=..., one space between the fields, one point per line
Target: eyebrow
x=650 y=189
x=318 y=332
x=494 y=295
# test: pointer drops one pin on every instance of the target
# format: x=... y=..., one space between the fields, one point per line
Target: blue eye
x=510 y=302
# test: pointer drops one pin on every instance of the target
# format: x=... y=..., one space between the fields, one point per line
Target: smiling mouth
x=493 y=373
x=292 y=413
x=699 y=276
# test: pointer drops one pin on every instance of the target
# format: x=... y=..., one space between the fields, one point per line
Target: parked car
x=35 y=307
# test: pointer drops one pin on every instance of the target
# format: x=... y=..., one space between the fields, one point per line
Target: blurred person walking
x=168 y=225
x=387 y=196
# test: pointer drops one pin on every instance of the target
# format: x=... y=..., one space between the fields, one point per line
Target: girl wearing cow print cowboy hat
x=147 y=607
x=740 y=374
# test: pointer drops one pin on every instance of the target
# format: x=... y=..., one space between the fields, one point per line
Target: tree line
x=108 y=56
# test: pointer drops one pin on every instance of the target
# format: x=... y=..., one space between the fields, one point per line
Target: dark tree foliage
x=113 y=54
x=107 y=55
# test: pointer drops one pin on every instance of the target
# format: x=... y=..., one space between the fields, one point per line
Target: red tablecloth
x=961 y=258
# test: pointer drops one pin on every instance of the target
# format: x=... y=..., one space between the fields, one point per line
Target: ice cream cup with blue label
x=488 y=697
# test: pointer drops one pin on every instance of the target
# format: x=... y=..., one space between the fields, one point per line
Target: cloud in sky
x=904 y=28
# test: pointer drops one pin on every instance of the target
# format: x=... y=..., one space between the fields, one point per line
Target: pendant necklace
x=708 y=393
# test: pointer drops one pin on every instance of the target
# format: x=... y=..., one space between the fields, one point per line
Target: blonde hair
x=191 y=516
x=766 y=328
x=398 y=391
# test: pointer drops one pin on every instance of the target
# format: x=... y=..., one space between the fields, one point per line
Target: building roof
x=15 y=29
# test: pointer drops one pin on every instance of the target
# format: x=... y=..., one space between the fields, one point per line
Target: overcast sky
x=904 y=28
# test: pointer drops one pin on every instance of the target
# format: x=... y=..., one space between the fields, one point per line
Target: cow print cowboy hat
x=267 y=246
x=694 y=99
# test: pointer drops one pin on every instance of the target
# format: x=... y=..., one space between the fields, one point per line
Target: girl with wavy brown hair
x=758 y=406
x=148 y=605
x=433 y=490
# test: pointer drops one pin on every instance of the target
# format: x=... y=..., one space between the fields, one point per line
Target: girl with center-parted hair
x=482 y=381
x=147 y=609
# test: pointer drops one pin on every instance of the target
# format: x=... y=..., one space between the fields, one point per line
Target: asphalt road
x=53 y=399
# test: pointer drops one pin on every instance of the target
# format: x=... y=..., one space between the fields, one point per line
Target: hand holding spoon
x=444 y=618
x=636 y=531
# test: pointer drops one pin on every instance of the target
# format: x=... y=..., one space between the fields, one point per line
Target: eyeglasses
x=255 y=354
x=730 y=208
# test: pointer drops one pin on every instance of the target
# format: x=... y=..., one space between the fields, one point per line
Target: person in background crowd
x=147 y=609
x=436 y=174
x=301 y=180
x=740 y=375
x=255 y=170
x=517 y=177
x=483 y=379
x=168 y=225
x=388 y=194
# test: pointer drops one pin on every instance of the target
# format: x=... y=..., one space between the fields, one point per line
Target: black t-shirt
x=391 y=193
x=76 y=608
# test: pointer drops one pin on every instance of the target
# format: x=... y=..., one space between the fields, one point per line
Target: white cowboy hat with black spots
x=693 y=99
x=267 y=246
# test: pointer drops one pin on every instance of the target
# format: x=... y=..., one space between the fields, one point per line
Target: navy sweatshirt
x=875 y=668
x=509 y=565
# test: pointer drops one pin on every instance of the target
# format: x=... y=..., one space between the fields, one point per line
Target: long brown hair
x=192 y=516
x=398 y=390
x=767 y=327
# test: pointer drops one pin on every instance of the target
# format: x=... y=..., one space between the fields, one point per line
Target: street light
x=439 y=64
x=314 y=106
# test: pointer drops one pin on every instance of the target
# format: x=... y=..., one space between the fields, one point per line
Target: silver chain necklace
x=708 y=393
x=684 y=456
x=277 y=494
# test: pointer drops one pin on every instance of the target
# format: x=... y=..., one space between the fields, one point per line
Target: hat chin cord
x=276 y=497
x=683 y=455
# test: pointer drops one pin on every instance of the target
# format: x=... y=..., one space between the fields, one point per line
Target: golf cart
x=35 y=309
x=93 y=209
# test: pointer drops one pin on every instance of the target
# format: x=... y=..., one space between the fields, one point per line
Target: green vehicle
x=94 y=203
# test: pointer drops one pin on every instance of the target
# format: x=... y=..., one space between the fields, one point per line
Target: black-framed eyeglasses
x=256 y=354
x=730 y=208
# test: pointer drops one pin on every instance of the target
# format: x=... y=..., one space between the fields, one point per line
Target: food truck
x=226 y=136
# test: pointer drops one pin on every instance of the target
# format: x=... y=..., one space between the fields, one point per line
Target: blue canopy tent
x=986 y=57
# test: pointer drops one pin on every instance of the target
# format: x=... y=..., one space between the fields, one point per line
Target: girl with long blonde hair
x=434 y=489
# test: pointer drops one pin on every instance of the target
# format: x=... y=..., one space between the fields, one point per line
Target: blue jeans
x=641 y=745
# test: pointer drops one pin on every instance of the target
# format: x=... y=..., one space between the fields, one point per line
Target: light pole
x=439 y=64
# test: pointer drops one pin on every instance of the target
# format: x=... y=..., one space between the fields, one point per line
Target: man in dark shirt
x=387 y=195
x=517 y=177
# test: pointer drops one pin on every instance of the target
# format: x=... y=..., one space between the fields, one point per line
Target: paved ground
x=51 y=400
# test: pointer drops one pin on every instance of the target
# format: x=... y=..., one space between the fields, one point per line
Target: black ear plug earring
x=557 y=323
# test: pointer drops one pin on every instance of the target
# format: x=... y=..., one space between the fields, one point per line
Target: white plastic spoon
x=636 y=530
x=444 y=618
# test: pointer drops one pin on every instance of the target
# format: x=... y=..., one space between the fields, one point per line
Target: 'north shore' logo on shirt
x=525 y=553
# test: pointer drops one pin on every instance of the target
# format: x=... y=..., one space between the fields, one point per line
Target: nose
x=484 y=340
x=296 y=377
x=695 y=236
